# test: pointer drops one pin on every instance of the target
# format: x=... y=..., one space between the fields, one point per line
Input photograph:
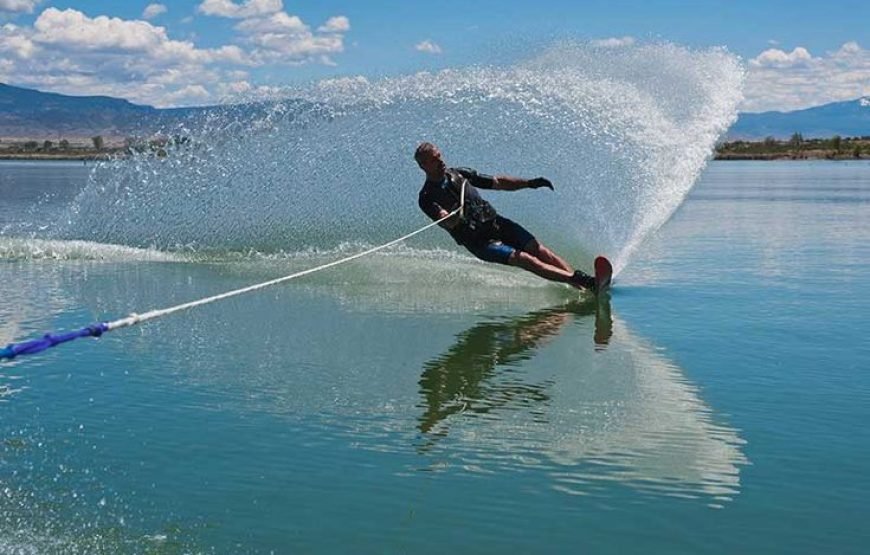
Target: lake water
x=723 y=407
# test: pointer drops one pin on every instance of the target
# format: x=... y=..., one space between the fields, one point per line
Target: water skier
x=487 y=235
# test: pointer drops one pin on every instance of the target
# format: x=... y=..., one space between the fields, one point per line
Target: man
x=479 y=228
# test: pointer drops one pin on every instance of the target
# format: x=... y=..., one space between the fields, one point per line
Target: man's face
x=431 y=162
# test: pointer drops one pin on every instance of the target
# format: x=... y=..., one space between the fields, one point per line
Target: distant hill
x=847 y=119
x=31 y=113
x=34 y=114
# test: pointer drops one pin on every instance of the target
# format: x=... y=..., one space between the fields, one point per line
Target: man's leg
x=519 y=237
x=542 y=260
x=547 y=256
x=578 y=278
x=531 y=263
x=498 y=252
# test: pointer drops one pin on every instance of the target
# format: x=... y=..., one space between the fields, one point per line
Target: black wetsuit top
x=478 y=213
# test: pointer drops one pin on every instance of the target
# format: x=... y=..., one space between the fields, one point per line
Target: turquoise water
x=422 y=402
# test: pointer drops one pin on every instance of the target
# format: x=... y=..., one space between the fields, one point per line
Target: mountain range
x=847 y=119
x=32 y=114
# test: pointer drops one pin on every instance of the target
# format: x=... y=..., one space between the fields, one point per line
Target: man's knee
x=533 y=247
x=522 y=259
x=538 y=250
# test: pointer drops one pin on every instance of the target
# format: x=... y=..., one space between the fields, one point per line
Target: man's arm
x=503 y=182
x=510 y=183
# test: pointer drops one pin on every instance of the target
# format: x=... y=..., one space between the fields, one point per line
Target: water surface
x=720 y=407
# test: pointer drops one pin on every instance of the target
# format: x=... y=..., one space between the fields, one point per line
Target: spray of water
x=622 y=132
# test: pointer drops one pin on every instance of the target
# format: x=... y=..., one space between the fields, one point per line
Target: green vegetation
x=90 y=148
x=62 y=149
x=796 y=148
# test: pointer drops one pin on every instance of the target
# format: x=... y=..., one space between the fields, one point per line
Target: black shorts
x=499 y=241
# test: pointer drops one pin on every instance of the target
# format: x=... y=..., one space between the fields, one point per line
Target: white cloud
x=277 y=23
x=6 y=67
x=274 y=47
x=428 y=47
x=286 y=39
x=190 y=94
x=850 y=47
x=236 y=88
x=229 y=53
x=153 y=10
x=71 y=30
x=15 y=42
x=249 y=8
x=779 y=80
x=612 y=42
x=239 y=87
x=70 y=52
x=17 y=6
x=337 y=24
x=775 y=57
x=278 y=37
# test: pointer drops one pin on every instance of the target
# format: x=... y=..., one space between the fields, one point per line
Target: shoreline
x=775 y=157
x=770 y=149
x=73 y=158
x=796 y=148
x=726 y=157
x=85 y=155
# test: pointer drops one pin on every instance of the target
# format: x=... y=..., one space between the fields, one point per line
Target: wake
x=622 y=132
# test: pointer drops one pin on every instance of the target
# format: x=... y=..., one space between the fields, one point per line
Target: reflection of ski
x=603 y=275
x=603 y=321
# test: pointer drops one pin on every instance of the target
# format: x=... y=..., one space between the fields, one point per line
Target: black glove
x=539 y=182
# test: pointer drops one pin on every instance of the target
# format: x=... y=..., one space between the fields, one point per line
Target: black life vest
x=477 y=212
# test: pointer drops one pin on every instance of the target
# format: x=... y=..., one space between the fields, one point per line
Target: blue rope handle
x=50 y=340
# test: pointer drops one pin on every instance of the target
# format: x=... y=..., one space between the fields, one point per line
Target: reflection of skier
x=479 y=228
x=463 y=378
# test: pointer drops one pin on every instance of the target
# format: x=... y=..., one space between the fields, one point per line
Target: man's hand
x=449 y=223
x=539 y=182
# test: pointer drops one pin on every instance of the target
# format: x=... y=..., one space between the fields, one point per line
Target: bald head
x=428 y=157
x=424 y=149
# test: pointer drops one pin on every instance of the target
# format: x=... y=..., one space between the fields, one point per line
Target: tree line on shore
x=796 y=148
x=78 y=149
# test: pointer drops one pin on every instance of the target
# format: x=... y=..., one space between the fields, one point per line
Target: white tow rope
x=134 y=318
x=50 y=340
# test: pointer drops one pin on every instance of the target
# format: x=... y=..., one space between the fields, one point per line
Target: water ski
x=603 y=274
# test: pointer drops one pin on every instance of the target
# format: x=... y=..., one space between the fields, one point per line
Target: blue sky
x=181 y=52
